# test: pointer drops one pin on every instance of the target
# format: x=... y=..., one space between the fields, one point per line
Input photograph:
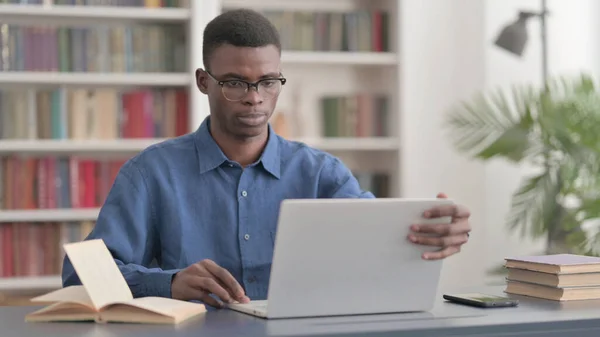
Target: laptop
x=335 y=257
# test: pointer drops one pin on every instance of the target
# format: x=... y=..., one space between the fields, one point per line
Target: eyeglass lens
x=236 y=90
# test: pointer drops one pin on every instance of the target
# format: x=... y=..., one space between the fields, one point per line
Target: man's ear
x=201 y=79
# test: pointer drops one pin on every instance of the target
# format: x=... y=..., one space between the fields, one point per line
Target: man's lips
x=253 y=119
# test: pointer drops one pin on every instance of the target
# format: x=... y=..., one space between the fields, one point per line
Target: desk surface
x=533 y=318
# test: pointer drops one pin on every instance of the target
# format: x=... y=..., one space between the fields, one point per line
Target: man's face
x=236 y=113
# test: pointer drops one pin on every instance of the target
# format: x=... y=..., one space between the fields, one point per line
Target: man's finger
x=441 y=254
x=456 y=211
x=442 y=196
x=212 y=287
x=209 y=300
x=201 y=286
x=440 y=211
x=193 y=290
x=225 y=277
x=459 y=227
x=454 y=240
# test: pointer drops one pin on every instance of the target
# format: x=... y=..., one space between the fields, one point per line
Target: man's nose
x=253 y=97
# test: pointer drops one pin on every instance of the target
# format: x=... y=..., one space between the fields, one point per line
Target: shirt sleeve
x=126 y=224
x=337 y=181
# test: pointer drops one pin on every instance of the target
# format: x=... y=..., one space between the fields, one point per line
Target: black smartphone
x=482 y=300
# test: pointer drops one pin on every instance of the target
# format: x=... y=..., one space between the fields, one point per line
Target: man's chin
x=250 y=132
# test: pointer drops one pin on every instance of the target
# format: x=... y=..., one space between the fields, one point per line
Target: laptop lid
x=351 y=256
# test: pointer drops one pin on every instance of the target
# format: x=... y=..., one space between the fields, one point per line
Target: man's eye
x=268 y=83
x=234 y=84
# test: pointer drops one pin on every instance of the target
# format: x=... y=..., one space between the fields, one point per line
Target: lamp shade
x=513 y=37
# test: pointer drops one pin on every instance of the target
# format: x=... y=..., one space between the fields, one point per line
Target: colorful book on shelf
x=31 y=249
x=360 y=30
x=359 y=115
x=105 y=295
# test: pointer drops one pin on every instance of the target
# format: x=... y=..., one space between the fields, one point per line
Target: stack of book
x=558 y=277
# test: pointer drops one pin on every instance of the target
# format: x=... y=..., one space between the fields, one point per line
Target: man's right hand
x=200 y=280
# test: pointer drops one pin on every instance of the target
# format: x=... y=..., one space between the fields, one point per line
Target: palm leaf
x=533 y=204
x=494 y=125
x=557 y=130
x=592 y=244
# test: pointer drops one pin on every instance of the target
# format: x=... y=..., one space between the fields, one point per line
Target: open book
x=105 y=295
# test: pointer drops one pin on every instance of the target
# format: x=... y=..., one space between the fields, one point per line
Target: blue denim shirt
x=181 y=201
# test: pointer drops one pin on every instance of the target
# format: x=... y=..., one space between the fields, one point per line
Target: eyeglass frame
x=221 y=83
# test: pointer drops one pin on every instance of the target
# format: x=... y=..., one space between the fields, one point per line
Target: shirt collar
x=211 y=156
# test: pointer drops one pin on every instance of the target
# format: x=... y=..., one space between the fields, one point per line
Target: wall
x=448 y=55
x=502 y=178
x=573 y=44
x=443 y=62
x=574 y=32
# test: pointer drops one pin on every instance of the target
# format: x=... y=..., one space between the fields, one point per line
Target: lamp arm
x=544 y=38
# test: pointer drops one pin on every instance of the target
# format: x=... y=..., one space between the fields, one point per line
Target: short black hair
x=240 y=28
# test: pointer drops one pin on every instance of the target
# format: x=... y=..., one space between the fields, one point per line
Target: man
x=204 y=206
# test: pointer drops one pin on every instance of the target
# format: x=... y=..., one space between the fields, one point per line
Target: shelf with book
x=84 y=15
x=142 y=51
x=48 y=215
x=55 y=188
x=32 y=252
x=68 y=132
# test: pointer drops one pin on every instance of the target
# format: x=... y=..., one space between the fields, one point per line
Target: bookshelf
x=318 y=80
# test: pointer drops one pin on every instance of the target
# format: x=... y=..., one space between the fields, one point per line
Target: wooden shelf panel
x=49 y=215
x=90 y=147
x=30 y=283
x=297 y=5
x=76 y=15
x=70 y=146
x=10 y=79
x=353 y=144
x=339 y=58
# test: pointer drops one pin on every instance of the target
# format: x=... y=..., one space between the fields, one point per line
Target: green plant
x=555 y=130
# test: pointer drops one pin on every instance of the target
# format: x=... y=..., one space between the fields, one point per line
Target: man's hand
x=449 y=238
x=200 y=280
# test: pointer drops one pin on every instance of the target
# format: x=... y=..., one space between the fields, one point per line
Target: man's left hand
x=448 y=237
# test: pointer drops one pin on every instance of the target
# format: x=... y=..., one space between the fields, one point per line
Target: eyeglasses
x=236 y=90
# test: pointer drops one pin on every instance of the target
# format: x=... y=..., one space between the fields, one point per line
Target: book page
x=73 y=294
x=557 y=259
x=167 y=306
x=98 y=272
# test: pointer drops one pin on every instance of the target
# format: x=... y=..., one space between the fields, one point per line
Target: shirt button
x=251 y=279
x=230 y=165
x=247 y=237
x=244 y=193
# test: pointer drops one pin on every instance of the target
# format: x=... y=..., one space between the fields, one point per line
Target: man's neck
x=242 y=151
